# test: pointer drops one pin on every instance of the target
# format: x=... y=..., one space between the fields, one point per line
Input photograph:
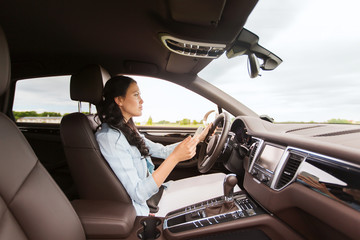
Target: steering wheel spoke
x=205 y=161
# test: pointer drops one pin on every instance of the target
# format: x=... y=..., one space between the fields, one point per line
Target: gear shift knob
x=230 y=181
x=229 y=205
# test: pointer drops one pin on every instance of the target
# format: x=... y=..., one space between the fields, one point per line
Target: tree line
x=18 y=115
x=185 y=121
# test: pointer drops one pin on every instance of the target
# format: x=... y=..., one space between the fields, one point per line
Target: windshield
x=319 y=79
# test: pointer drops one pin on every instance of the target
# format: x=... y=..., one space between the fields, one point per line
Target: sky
x=318 y=80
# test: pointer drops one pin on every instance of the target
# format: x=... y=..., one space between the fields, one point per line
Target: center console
x=264 y=159
x=204 y=214
x=231 y=216
x=214 y=212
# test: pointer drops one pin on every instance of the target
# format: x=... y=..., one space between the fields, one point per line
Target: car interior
x=297 y=181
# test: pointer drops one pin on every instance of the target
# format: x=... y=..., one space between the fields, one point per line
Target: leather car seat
x=32 y=206
x=92 y=175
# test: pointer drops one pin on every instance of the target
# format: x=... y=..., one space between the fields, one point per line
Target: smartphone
x=199 y=131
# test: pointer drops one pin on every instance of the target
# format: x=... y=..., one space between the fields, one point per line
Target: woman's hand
x=186 y=149
x=204 y=133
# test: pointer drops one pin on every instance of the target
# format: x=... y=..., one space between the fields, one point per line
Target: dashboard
x=303 y=173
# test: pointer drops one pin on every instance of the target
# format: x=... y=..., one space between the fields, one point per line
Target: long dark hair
x=110 y=113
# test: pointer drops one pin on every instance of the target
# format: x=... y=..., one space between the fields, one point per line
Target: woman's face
x=131 y=104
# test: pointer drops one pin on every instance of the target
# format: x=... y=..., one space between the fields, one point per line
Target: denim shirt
x=133 y=170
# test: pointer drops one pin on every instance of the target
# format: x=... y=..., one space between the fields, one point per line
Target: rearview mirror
x=247 y=44
x=253 y=66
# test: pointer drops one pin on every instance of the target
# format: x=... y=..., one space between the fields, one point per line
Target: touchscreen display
x=270 y=157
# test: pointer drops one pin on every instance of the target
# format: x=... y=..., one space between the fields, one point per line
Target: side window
x=43 y=100
x=47 y=100
x=168 y=104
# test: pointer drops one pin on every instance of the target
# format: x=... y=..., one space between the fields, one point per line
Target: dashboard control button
x=251 y=212
x=263 y=178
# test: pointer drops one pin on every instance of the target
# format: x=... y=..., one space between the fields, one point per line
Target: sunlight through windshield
x=319 y=77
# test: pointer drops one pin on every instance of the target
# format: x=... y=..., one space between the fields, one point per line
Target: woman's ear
x=118 y=101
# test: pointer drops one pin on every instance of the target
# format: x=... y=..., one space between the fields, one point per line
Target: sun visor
x=197 y=12
x=183 y=64
x=135 y=67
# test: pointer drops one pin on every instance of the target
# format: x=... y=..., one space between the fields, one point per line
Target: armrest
x=105 y=219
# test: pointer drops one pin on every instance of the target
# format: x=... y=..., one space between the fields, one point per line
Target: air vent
x=253 y=149
x=289 y=170
x=192 y=49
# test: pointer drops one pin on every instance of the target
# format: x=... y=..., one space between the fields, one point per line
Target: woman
x=127 y=152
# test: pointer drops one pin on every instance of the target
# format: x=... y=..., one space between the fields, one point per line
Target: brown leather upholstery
x=87 y=84
x=105 y=219
x=31 y=204
x=4 y=63
x=93 y=177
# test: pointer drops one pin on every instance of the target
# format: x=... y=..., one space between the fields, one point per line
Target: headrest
x=4 y=63
x=88 y=83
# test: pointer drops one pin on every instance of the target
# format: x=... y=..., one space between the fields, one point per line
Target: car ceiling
x=59 y=37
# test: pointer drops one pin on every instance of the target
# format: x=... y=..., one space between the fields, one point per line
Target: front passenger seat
x=31 y=204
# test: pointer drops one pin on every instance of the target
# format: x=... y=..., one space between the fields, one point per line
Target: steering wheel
x=214 y=143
